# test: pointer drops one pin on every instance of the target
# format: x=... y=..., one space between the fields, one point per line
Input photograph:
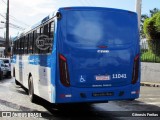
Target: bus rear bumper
x=129 y=92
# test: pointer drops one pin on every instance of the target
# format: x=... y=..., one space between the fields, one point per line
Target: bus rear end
x=97 y=55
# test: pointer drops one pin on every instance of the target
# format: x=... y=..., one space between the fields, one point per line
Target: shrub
x=152 y=32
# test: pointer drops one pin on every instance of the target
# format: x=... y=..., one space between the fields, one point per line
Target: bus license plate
x=104 y=77
x=103 y=94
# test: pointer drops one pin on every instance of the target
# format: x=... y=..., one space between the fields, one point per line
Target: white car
x=3 y=69
x=7 y=63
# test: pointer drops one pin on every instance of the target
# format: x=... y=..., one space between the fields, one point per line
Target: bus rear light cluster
x=64 y=74
x=135 y=70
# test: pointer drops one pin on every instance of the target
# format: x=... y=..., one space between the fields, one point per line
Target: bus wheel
x=31 y=89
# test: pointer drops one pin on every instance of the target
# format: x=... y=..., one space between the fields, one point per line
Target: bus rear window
x=92 y=28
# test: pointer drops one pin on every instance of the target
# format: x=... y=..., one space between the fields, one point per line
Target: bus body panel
x=39 y=67
x=75 y=95
x=88 y=57
x=100 y=46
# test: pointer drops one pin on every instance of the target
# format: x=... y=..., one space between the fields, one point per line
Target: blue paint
x=80 y=32
x=42 y=60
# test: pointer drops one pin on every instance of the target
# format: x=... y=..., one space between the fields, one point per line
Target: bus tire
x=31 y=90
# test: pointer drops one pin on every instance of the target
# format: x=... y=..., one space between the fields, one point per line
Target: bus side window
x=34 y=41
x=37 y=35
x=40 y=51
x=46 y=30
x=51 y=35
x=30 y=43
x=23 y=44
x=51 y=29
x=26 y=44
x=18 y=46
x=46 y=33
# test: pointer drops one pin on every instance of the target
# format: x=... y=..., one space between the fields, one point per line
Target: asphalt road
x=14 y=98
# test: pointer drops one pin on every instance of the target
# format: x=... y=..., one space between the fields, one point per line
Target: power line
x=2 y=6
x=1 y=27
x=15 y=19
x=2 y=16
x=16 y=26
x=4 y=2
x=11 y=24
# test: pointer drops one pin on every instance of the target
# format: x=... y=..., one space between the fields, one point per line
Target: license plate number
x=103 y=94
x=104 y=77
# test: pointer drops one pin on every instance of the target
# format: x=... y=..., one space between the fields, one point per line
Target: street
x=14 y=98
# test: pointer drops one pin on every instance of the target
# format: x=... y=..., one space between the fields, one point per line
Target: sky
x=24 y=13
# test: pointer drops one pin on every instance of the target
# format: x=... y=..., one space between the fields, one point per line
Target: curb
x=150 y=84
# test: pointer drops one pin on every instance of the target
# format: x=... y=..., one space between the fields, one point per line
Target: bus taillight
x=64 y=75
x=135 y=69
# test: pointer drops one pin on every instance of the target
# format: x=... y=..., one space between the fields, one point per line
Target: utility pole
x=7 y=46
x=138 y=10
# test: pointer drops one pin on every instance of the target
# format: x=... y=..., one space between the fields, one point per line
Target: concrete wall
x=150 y=72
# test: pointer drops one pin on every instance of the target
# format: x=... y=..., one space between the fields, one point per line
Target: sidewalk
x=150 y=84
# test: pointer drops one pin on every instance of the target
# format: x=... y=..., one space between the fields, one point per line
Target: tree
x=152 y=32
x=154 y=11
x=144 y=17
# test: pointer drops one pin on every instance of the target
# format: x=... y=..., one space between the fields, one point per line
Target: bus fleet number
x=118 y=76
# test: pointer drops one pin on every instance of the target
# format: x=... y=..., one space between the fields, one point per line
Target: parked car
x=3 y=69
x=7 y=63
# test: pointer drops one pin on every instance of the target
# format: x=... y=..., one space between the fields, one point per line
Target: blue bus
x=80 y=54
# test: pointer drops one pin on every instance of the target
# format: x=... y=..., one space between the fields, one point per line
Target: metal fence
x=147 y=54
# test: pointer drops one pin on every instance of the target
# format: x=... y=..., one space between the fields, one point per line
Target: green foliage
x=147 y=28
x=158 y=22
x=152 y=31
x=144 y=17
x=154 y=46
x=154 y=11
x=149 y=57
x=151 y=27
